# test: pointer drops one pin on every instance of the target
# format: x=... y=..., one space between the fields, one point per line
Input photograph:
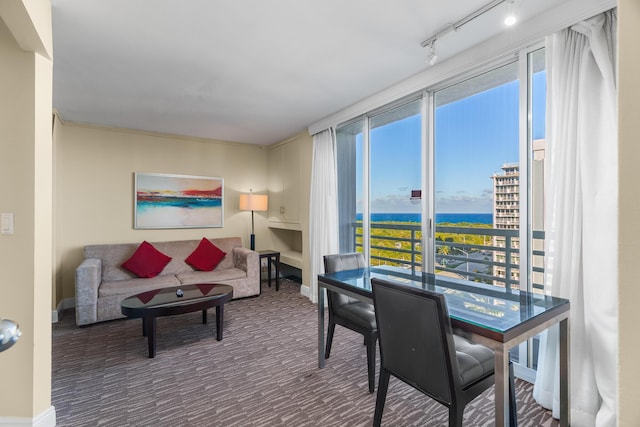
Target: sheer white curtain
x=581 y=217
x=323 y=206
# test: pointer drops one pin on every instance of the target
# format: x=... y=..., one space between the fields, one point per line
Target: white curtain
x=581 y=209
x=323 y=206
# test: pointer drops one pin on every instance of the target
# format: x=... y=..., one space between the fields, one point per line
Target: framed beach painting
x=177 y=201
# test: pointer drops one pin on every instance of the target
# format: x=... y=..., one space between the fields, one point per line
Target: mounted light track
x=511 y=17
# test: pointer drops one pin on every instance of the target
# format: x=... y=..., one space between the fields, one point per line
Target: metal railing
x=485 y=255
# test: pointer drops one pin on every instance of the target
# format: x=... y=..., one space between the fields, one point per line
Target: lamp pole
x=253 y=235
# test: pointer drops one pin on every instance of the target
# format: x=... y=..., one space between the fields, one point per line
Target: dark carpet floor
x=263 y=373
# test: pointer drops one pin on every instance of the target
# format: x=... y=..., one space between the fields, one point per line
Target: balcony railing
x=485 y=255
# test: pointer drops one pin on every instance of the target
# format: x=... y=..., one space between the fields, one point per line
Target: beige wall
x=629 y=219
x=25 y=191
x=291 y=238
x=94 y=187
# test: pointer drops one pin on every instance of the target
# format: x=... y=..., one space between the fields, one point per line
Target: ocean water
x=454 y=218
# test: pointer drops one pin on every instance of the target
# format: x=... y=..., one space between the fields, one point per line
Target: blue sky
x=475 y=136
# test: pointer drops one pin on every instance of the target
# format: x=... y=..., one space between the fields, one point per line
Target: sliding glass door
x=395 y=150
x=379 y=185
x=476 y=162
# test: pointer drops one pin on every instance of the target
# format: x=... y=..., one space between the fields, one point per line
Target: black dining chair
x=350 y=312
x=418 y=346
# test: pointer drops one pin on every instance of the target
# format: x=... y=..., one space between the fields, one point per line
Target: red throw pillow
x=146 y=261
x=206 y=256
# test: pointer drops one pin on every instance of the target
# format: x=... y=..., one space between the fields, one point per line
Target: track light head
x=511 y=18
x=432 y=57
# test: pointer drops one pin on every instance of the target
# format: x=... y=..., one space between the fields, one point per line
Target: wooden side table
x=273 y=257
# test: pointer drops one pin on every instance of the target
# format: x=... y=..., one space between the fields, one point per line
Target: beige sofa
x=102 y=284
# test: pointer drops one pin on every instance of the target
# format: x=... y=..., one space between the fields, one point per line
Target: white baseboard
x=305 y=290
x=56 y=314
x=524 y=373
x=45 y=419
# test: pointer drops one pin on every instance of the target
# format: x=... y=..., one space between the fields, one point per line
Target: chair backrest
x=416 y=341
x=342 y=262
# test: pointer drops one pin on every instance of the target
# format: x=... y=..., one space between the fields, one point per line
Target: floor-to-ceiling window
x=463 y=161
x=395 y=149
x=379 y=185
x=476 y=154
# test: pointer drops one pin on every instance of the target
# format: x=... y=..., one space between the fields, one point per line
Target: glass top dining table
x=494 y=316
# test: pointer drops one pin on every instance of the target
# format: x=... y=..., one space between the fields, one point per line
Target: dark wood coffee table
x=167 y=302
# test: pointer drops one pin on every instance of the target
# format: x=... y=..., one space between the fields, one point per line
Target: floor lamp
x=253 y=202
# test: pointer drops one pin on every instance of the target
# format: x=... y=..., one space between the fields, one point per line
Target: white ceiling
x=251 y=71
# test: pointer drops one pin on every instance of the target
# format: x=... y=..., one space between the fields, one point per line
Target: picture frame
x=177 y=201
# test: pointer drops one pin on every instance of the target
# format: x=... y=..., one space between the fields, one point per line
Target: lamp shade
x=253 y=202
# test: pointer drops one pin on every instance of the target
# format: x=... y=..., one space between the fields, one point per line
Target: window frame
x=427 y=111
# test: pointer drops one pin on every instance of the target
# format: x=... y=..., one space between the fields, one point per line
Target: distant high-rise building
x=506 y=216
x=506 y=197
x=506 y=213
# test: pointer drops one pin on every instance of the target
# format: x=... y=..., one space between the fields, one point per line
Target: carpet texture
x=263 y=373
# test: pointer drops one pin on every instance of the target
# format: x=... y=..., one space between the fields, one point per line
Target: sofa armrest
x=247 y=260
x=88 y=279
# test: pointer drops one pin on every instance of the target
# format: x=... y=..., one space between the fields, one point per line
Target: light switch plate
x=6 y=223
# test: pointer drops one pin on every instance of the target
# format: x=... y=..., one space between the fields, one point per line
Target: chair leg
x=330 y=331
x=371 y=362
x=383 y=384
x=456 y=414
x=513 y=410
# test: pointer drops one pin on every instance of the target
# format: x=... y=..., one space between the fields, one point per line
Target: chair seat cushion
x=356 y=313
x=475 y=361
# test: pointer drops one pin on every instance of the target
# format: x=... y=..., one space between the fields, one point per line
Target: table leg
x=501 y=374
x=320 y=327
x=565 y=403
x=219 y=320
x=277 y=272
x=513 y=410
x=150 y=327
x=204 y=317
x=269 y=270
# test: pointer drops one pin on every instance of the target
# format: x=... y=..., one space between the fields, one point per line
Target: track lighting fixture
x=432 y=57
x=510 y=19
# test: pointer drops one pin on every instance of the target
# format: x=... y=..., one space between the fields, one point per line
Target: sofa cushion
x=216 y=276
x=146 y=261
x=135 y=286
x=206 y=256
